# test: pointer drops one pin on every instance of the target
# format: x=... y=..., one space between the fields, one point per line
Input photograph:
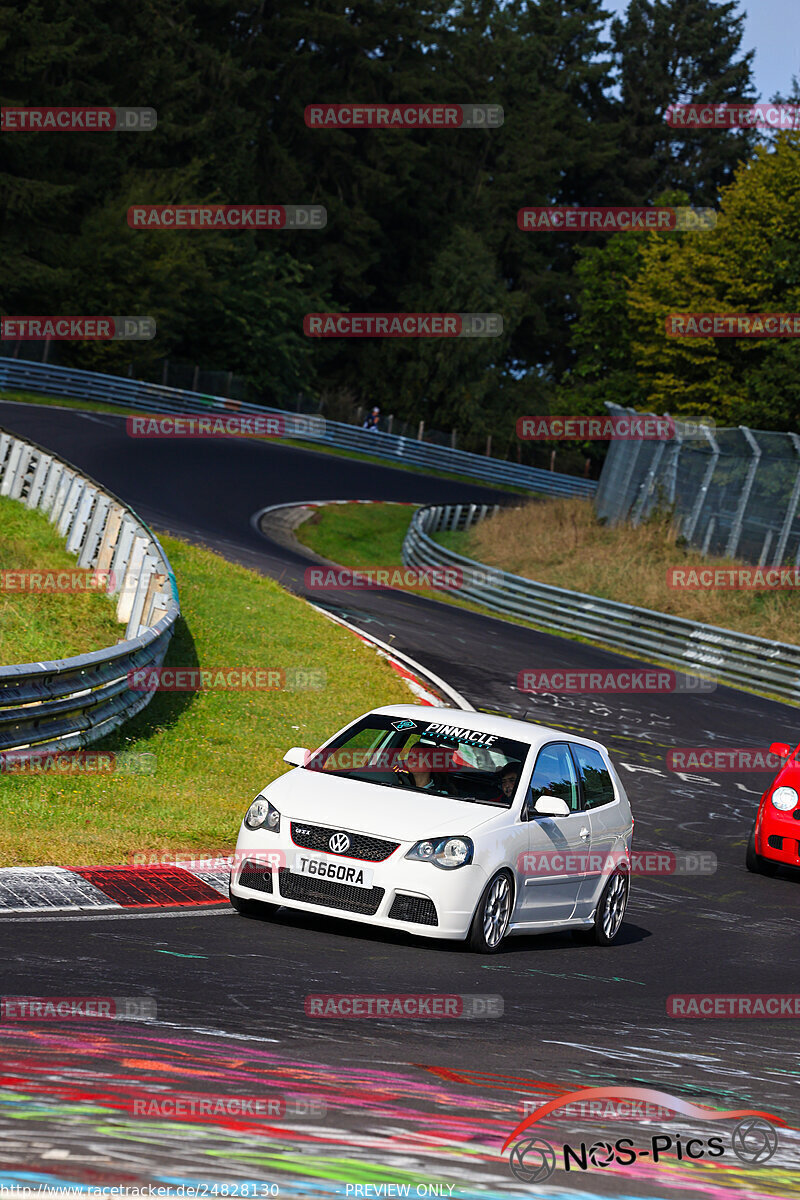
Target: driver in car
x=417 y=770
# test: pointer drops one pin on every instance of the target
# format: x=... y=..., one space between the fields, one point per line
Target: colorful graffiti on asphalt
x=67 y=1105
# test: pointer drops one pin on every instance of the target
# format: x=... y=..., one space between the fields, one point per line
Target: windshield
x=426 y=756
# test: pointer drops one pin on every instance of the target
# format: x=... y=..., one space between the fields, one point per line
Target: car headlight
x=444 y=852
x=784 y=799
x=263 y=815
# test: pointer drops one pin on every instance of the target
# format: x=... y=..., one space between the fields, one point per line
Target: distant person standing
x=373 y=420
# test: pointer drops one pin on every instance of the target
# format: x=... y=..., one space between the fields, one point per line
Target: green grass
x=123 y=410
x=67 y=402
x=457 y=540
x=371 y=535
x=36 y=626
x=358 y=535
x=361 y=535
x=214 y=750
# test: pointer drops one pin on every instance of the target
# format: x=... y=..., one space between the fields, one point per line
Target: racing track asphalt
x=574 y=1014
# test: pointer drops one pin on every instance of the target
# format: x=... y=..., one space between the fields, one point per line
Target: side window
x=554 y=775
x=597 y=786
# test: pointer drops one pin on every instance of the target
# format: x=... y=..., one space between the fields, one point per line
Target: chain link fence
x=734 y=492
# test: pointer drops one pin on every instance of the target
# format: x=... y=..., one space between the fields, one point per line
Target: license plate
x=333 y=870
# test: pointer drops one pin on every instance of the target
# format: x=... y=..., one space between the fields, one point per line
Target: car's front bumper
x=778 y=836
x=452 y=896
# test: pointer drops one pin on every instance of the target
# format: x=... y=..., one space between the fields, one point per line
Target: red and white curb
x=95 y=889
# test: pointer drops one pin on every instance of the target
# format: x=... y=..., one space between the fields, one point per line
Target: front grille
x=331 y=895
x=254 y=875
x=316 y=837
x=775 y=841
x=418 y=909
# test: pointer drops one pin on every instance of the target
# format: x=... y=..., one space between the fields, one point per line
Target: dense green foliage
x=750 y=263
x=416 y=220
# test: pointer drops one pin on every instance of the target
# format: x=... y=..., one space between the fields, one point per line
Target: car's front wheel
x=611 y=908
x=492 y=916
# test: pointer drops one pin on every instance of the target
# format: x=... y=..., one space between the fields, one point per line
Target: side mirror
x=296 y=757
x=780 y=749
x=551 y=806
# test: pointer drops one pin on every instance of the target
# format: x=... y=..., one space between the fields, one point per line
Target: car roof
x=521 y=731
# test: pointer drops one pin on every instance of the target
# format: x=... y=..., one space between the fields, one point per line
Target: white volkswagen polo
x=445 y=823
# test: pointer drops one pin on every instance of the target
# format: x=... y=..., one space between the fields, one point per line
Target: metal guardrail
x=707 y=650
x=71 y=702
x=22 y=375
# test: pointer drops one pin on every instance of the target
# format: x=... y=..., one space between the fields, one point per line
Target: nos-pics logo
x=754 y=1139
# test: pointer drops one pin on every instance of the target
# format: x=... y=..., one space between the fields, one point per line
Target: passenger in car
x=509 y=779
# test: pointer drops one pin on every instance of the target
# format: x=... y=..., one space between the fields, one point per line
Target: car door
x=553 y=871
x=607 y=822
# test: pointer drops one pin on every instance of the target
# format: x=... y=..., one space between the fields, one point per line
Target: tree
x=680 y=51
x=749 y=263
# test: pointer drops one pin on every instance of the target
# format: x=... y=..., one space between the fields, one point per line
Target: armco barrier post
x=738 y=520
x=791 y=507
x=690 y=526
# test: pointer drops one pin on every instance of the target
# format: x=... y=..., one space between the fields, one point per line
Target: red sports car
x=775 y=836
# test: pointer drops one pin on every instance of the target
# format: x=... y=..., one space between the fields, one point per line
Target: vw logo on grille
x=339 y=843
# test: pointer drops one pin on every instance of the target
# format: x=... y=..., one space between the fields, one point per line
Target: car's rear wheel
x=611 y=907
x=492 y=916
x=754 y=861
x=251 y=908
